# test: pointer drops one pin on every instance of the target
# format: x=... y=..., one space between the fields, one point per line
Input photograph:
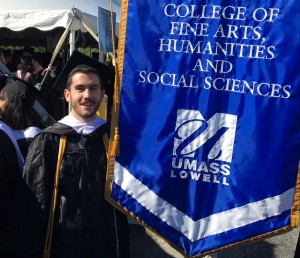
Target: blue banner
x=209 y=119
x=105 y=29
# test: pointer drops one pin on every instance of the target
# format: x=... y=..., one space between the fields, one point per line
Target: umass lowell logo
x=203 y=148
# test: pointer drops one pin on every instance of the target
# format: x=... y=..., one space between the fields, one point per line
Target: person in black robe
x=11 y=162
x=19 y=114
x=85 y=224
x=16 y=129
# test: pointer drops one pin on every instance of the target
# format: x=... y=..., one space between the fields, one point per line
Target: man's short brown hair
x=86 y=70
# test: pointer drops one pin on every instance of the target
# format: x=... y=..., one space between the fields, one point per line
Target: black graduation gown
x=85 y=225
x=9 y=176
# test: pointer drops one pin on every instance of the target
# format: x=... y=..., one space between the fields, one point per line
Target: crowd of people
x=26 y=63
x=31 y=66
x=53 y=191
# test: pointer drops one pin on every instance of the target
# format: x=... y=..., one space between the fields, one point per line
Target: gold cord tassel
x=115 y=144
x=48 y=241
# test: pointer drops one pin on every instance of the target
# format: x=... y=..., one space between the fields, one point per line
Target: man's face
x=84 y=96
x=35 y=64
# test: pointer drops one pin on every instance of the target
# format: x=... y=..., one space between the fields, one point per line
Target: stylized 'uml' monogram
x=190 y=121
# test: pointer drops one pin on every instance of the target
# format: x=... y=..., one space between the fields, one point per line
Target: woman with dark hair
x=16 y=110
x=18 y=126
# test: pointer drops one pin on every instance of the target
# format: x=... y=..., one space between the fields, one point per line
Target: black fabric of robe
x=85 y=225
x=9 y=177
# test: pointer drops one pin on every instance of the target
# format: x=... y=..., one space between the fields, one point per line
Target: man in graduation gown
x=85 y=224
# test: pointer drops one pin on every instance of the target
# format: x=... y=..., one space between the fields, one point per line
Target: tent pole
x=72 y=41
x=72 y=48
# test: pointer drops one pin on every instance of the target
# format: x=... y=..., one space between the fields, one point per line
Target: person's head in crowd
x=37 y=61
x=8 y=56
x=84 y=92
x=26 y=63
x=8 y=60
x=16 y=105
x=27 y=51
x=19 y=66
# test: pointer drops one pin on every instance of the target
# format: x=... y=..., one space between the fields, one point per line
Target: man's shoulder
x=59 y=129
x=102 y=129
x=51 y=133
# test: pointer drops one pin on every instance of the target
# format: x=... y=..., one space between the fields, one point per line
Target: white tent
x=45 y=20
x=35 y=22
x=43 y=27
x=86 y=6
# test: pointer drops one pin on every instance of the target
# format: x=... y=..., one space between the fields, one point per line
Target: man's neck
x=82 y=127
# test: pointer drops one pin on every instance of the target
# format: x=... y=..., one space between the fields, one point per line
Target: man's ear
x=67 y=95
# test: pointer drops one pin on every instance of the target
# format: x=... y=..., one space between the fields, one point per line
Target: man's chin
x=88 y=116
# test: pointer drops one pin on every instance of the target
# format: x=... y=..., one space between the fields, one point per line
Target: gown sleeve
x=38 y=175
x=9 y=173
